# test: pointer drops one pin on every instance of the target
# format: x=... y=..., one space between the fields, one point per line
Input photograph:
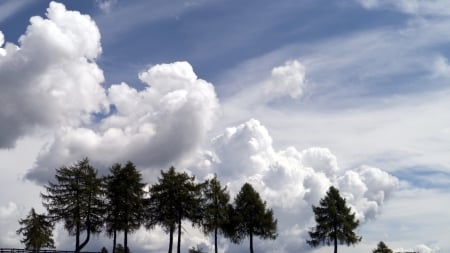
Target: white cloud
x=53 y=69
x=286 y=80
x=292 y=180
x=419 y=7
x=156 y=127
x=8 y=210
x=106 y=5
x=440 y=67
x=2 y=39
x=9 y=8
x=8 y=213
x=167 y=121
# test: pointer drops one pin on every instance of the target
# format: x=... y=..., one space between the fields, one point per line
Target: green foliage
x=174 y=198
x=196 y=250
x=103 y=250
x=251 y=218
x=335 y=222
x=120 y=248
x=382 y=248
x=215 y=208
x=77 y=199
x=124 y=200
x=37 y=231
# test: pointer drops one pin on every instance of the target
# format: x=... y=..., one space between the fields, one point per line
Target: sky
x=292 y=96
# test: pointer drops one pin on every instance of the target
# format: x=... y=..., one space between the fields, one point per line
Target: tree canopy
x=37 y=231
x=335 y=222
x=215 y=208
x=382 y=248
x=77 y=199
x=251 y=217
x=174 y=198
x=124 y=201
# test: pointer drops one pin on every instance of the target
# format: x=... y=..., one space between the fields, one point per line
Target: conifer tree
x=174 y=198
x=215 y=208
x=125 y=201
x=77 y=199
x=113 y=203
x=251 y=218
x=37 y=232
x=335 y=222
x=382 y=248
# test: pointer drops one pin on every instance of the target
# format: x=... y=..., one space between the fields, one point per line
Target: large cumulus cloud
x=50 y=78
x=154 y=127
x=51 y=82
x=292 y=180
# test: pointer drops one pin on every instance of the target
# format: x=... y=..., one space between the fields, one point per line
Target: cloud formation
x=292 y=180
x=155 y=127
x=286 y=80
x=106 y=5
x=416 y=7
x=162 y=124
x=53 y=69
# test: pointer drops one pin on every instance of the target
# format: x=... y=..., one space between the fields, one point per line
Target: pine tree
x=215 y=214
x=174 y=198
x=382 y=248
x=335 y=222
x=114 y=200
x=125 y=201
x=251 y=218
x=37 y=232
x=77 y=199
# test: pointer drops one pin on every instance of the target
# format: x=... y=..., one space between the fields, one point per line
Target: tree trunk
x=77 y=237
x=179 y=236
x=88 y=233
x=125 y=241
x=251 y=242
x=114 y=241
x=172 y=228
x=88 y=236
x=335 y=243
x=215 y=239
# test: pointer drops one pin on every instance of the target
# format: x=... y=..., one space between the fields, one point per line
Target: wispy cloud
x=9 y=8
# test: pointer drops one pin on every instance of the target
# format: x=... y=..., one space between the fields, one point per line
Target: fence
x=10 y=250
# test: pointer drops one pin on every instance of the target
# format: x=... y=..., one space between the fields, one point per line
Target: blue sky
x=292 y=96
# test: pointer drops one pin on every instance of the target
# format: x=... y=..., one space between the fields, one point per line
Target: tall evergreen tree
x=77 y=199
x=335 y=222
x=382 y=248
x=124 y=200
x=174 y=198
x=37 y=232
x=114 y=202
x=215 y=208
x=251 y=218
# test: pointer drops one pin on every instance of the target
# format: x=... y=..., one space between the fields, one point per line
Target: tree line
x=89 y=204
x=118 y=202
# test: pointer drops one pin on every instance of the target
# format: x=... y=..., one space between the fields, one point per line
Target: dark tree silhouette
x=114 y=200
x=215 y=208
x=251 y=218
x=382 y=248
x=77 y=199
x=125 y=201
x=335 y=222
x=37 y=232
x=174 y=198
